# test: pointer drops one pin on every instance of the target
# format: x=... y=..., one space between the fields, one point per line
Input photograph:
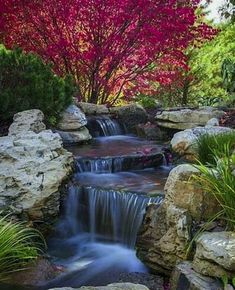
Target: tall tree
x=107 y=45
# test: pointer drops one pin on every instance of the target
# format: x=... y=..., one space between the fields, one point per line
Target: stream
x=116 y=176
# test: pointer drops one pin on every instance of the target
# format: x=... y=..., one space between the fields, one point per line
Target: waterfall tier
x=104 y=126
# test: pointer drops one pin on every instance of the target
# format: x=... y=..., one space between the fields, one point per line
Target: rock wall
x=33 y=165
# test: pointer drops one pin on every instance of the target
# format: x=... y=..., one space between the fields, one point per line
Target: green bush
x=211 y=147
x=147 y=102
x=27 y=83
x=18 y=246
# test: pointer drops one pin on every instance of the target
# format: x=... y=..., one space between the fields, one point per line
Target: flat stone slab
x=186 y=118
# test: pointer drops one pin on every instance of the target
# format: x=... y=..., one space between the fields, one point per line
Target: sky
x=213 y=8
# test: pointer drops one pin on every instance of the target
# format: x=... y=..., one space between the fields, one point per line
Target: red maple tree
x=108 y=46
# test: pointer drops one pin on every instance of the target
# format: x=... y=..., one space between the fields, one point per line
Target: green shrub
x=211 y=147
x=146 y=101
x=18 y=246
x=27 y=83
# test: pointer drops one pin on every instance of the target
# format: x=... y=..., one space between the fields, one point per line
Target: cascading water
x=105 y=126
x=97 y=234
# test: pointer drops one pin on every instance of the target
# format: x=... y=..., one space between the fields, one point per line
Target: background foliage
x=107 y=46
x=27 y=83
x=206 y=63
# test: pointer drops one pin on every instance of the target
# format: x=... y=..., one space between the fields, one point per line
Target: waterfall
x=104 y=126
x=118 y=163
x=102 y=214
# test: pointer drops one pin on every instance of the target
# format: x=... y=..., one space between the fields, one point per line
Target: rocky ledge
x=33 y=166
x=186 y=118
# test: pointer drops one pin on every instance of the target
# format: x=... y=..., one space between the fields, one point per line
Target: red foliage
x=107 y=45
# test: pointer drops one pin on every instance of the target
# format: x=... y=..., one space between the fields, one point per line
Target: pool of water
x=121 y=145
x=149 y=181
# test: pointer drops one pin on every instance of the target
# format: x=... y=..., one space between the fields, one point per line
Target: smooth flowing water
x=105 y=126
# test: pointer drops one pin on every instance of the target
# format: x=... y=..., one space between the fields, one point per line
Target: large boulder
x=186 y=118
x=215 y=254
x=72 y=119
x=163 y=237
x=30 y=120
x=185 y=142
x=130 y=115
x=166 y=231
x=72 y=128
x=183 y=192
x=92 y=109
x=33 y=166
x=115 y=286
x=185 y=278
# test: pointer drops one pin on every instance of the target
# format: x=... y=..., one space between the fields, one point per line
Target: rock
x=30 y=120
x=150 y=131
x=181 y=191
x=75 y=137
x=130 y=115
x=163 y=237
x=166 y=231
x=153 y=282
x=215 y=254
x=72 y=119
x=212 y=122
x=92 y=109
x=32 y=169
x=115 y=286
x=72 y=128
x=37 y=273
x=185 y=278
x=185 y=143
x=186 y=118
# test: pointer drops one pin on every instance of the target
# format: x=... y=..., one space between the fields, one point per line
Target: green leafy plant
x=18 y=246
x=219 y=181
x=211 y=147
x=27 y=83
